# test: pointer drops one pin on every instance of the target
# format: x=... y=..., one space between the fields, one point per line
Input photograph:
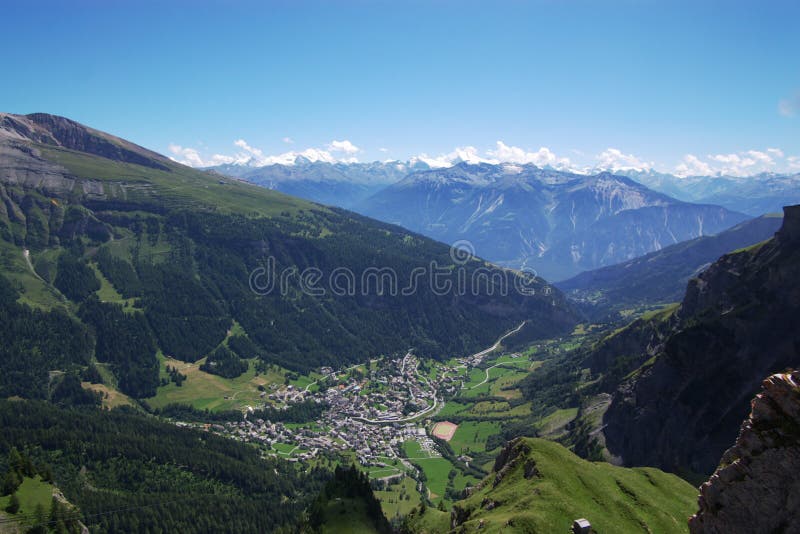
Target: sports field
x=444 y=430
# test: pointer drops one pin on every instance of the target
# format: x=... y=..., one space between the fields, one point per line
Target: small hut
x=581 y=526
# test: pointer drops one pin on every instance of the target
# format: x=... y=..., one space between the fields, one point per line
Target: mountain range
x=755 y=195
x=555 y=223
x=331 y=183
x=347 y=184
x=507 y=210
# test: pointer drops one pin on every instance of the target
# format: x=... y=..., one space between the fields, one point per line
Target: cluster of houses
x=371 y=415
x=309 y=441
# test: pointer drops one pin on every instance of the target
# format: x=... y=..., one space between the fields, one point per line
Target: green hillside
x=127 y=472
x=538 y=486
x=174 y=186
x=127 y=254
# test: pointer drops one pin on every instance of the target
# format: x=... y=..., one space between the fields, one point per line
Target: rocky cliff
x=662 y=276
x=58 y=131
x=756 y=488
x=739 y=322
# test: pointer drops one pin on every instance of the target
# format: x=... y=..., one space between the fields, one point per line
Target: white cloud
x=255 y=157
x=187 y=156
x=615 y=159
x=433 y=162
x=288 y=140
x=289 y=158
x=541 y=158
x=254 y=152
x=191 y=157
x=743 y=163
x=737 y=164
x=343 y=146
x=760 y=157
x=502 y=153
x=467 y=154
x=691 y=165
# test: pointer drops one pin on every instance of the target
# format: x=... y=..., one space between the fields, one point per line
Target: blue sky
x=654 y=81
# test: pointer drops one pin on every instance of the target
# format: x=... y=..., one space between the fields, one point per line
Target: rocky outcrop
x=514 y=452
x=790 y=231
x=756 y=488
x=540 y=486
x=23 y=165
x=53 y=130
x=739 y=322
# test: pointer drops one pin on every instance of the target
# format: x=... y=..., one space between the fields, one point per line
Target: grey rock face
x=756 y=488
x=739 y=322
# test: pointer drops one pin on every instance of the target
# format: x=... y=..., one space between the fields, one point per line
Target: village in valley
x=418 y=426
x=371 y=410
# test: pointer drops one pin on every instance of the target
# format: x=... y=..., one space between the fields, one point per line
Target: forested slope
x=129 y=253
x=131 y=473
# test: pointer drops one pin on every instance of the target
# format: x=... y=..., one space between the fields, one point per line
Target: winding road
x=487 y=376
x=498 y=342
x=491 y=349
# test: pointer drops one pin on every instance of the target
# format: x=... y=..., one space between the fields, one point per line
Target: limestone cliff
x=739 y=322
x=46 y=129
x=756 y=488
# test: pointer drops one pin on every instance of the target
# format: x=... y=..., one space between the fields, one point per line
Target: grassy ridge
x=566 y=487
x=212 y=392
x=181 y=186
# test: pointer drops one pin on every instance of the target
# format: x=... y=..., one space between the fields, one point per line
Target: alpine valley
x=178 y=352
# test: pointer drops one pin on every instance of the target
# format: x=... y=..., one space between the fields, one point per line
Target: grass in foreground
x=566 y=487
